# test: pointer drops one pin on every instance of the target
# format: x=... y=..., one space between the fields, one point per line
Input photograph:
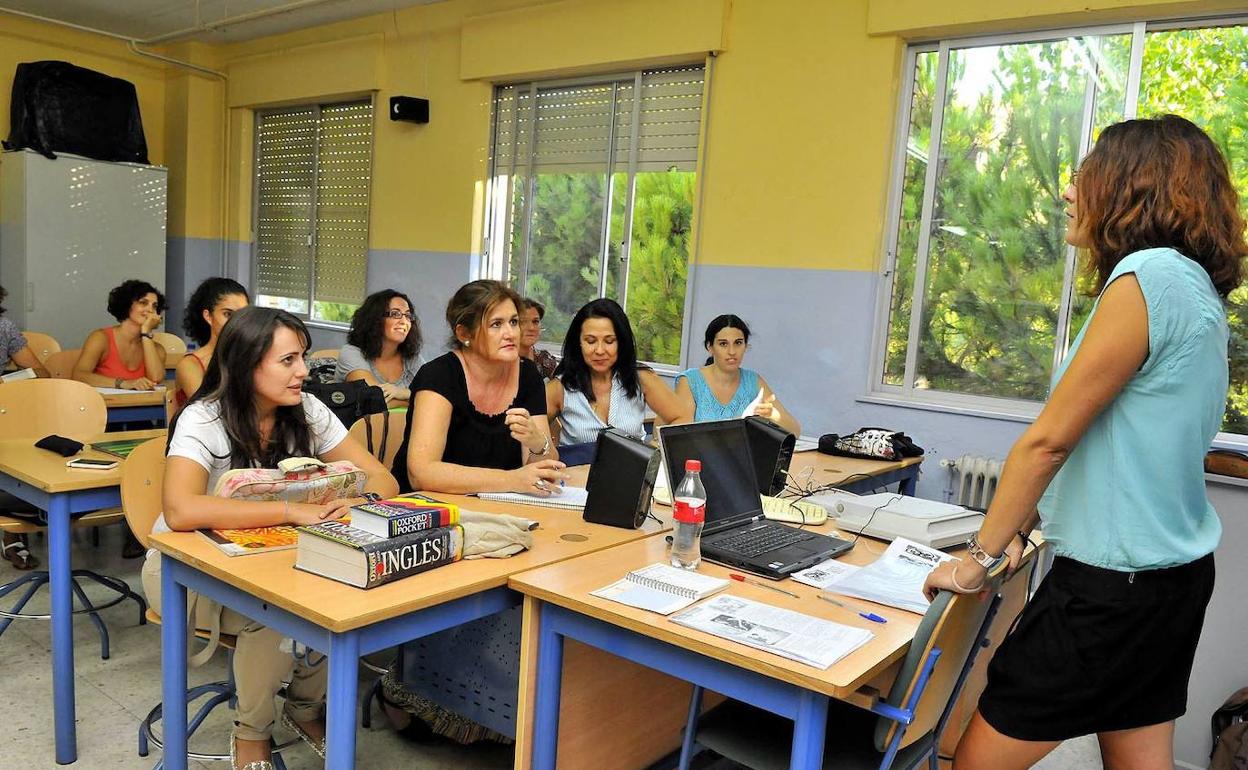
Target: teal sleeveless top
x=707 y=407
x=1131 y=496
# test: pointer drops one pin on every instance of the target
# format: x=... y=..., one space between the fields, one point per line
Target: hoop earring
x=467 y=344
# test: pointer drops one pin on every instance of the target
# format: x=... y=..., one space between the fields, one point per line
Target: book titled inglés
x=349 y=555
x=403 y=515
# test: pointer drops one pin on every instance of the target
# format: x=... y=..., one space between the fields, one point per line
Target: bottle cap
x=693 y=465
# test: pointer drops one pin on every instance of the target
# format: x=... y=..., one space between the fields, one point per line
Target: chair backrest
x=382 y=450
x=174 y=347
x=61 y=364
x=36 y=408
x=324 y=353
x=142 y=475
x=954 y=623
x=42 y=345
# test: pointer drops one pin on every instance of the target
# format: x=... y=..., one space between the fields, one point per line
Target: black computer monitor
x=727 y=467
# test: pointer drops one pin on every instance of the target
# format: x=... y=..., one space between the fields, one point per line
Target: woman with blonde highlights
x=1113 y=466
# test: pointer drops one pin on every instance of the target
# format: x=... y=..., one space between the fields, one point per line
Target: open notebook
x=661 y=588
x=568 y=497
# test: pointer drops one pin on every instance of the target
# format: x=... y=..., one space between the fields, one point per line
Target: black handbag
x=349 y=401
x=870 y=444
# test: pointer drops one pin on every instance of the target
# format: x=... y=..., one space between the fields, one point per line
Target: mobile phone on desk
x=91 y=464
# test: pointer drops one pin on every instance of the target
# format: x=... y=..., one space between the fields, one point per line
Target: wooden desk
x=40 y=478
x=853 y=474
x=135 y=406
x=560 y=717
x=346 y=622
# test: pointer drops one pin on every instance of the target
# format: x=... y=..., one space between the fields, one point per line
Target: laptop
x=736 y=534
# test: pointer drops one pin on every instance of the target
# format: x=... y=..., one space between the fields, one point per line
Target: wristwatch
x=117 y=383
x=148 y=335
x=982 y=557
x=545 y=449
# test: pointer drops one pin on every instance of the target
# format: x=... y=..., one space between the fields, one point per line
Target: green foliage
x=565 y=251
x=340 y=312
x=997 y=258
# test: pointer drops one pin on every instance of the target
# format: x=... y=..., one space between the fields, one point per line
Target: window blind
x=568 y=129
x=313 y=176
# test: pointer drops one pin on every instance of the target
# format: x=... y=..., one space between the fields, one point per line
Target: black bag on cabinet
x=59 y=107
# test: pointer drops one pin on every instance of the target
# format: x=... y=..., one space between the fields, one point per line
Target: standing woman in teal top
x=723 y=388
x=1113 y=466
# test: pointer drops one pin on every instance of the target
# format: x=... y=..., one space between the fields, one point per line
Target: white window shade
x=313 y=178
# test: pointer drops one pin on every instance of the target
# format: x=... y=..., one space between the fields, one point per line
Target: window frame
x=498 y=218
x=317 y=107
x=906 y=395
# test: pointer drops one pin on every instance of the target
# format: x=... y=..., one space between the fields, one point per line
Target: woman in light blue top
x=383 y=346
x=599 y=383
x=723 y=388
x=1113 y=466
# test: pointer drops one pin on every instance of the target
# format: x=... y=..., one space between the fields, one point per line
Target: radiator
x=974 y=480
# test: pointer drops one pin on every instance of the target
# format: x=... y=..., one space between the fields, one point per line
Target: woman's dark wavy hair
x=574 y=372
x=122 y=297
x=1160 y=182
x=206 y=297
x=369 y=321
x=229 y=381
x=717 y=325
x=3 y=294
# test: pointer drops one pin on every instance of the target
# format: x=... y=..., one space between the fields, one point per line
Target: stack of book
x=383 y=541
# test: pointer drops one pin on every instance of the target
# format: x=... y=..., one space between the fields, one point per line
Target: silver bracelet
x=953 y=578
x=545 y=449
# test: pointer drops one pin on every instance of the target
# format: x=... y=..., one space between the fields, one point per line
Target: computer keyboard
x=795 y=511
x=763 y=539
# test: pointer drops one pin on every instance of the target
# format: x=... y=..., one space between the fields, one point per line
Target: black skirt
x=1097 y=650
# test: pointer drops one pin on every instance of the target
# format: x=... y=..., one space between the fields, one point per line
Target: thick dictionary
x=350 y=555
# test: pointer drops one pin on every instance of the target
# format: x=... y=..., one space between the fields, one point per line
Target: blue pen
x=871 y=616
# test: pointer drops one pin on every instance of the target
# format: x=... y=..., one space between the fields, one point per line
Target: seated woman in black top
x=478 y=416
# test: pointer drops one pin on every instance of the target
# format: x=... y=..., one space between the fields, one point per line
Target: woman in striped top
x=599 y=383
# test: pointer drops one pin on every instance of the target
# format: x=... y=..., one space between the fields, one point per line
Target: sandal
x=21 y=557
x=260 y=764
x=416 y=730
x=290 y=724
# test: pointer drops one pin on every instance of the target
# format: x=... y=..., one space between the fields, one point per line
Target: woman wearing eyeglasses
x=383 y=346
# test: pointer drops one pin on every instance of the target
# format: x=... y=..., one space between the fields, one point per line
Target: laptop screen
x=727 y=468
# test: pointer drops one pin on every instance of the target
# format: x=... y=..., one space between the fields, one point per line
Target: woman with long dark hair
x=212 y=304
x=723 y=388
x=1113 y=466
x=250 y=412
x=383 y=346
x=600 y=384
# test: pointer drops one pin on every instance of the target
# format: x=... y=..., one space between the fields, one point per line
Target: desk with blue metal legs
x=558 y=598
x=134 y=406
x=40 y=478
x=344 y=622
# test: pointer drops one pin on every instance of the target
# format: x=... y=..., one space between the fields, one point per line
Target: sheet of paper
x=749 y=408
x=896 y=578
x=825 y=573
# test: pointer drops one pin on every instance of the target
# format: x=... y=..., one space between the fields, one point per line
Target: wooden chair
x=61 y=365
x=324 y=353
x=901 y=730
x=42 y=345
x=33 y=409
x=174 y=347
x=142 y=476
x=381 y=434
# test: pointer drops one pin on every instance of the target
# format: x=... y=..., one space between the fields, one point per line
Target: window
x=983 y=295
x=313 y=168
x=592 y=196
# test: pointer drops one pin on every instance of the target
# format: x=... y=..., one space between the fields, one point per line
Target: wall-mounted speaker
x=409 y=108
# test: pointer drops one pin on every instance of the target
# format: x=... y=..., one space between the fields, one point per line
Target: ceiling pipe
x=212 y=26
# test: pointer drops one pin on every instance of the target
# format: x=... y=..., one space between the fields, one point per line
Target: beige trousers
x=260 y=667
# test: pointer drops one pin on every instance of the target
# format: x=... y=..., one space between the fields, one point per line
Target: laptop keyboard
x=762 y=539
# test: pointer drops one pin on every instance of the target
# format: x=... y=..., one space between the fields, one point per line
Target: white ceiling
x=146 y=19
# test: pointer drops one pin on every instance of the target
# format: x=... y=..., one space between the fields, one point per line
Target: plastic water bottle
x=689 y=514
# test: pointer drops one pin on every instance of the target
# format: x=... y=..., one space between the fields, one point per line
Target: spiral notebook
x=568 y=497
x=661 y=588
